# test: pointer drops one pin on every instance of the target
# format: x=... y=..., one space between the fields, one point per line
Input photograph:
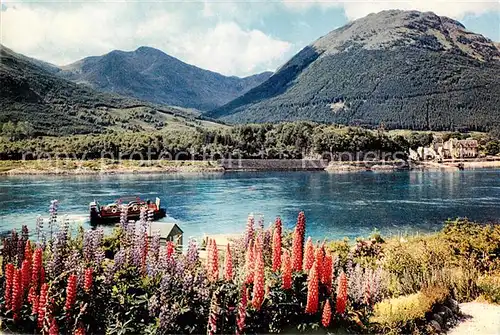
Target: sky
x=232 y=37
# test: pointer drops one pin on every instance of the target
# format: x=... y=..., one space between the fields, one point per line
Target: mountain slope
x=150 y=74
x=405 y=69
x=54 y=106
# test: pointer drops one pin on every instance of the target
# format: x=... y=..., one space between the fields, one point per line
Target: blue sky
x=230 y=37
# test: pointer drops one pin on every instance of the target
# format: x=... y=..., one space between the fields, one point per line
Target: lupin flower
x=31 y=294
x=367 y=299
x=153 y=306
x=250 y=263
x=99 y=257
x=319 y=257
x=53 y=215
x=308 y=255
x=242 y=311
x=298 y=242
x=261 y=222
x=109 y=273
x=312 y=290
x=36 y=268
x=70 y=292
x=326 y=317
x=28 y=252
x=154 y=248
x=42 y=304
x=42 y=275
x=327 y=273
x=34 y=304
x=356 y=283
x=212 y=316
x=40 y=235
x=228 y=264
x=26 y=274
x=276 y=255
x=54 y=329
x=143 y=221
x=258 y=281
x=286 y=272
x=20 y=252
x=208 y=264
x=87 y=282
x=80 y=330
x=342 y=294
x=123 y=217
x=214 y=264
x=267 y=242
x=55 y=266
x=250 y=232
x=278 y=225
x=376 y=286
x=192 y=254
x=17 y=293
x=170 y=249
x=9 y=280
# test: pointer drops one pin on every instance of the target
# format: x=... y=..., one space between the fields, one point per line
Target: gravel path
x=481 y=319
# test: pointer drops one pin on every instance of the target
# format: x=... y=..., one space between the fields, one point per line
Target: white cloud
x=227 y=47
x=355 y=9
x=63 y=33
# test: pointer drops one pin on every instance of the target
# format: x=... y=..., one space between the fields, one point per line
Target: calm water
x=336 y=205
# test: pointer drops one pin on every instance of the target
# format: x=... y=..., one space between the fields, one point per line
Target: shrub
x=470 y=240
x=489 y=286
x=406 y=313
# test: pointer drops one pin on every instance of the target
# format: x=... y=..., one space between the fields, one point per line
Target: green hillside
x=401 y=69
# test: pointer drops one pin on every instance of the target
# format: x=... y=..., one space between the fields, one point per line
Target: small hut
x=169 y=231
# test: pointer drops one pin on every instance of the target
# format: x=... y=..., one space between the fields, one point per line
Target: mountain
x=30 y=92
x=152 y=75
x=405 y=69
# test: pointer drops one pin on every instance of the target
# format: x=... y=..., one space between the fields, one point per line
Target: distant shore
x=95 y=167
x=106 y=166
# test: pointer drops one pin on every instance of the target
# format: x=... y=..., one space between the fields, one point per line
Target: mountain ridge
x=405 y=69
x=152 y=75
x=30 y=92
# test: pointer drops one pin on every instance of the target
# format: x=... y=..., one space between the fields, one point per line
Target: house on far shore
x=454 y=149
x=169 y=231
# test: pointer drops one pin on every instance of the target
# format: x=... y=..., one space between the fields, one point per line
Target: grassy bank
x=105 y=166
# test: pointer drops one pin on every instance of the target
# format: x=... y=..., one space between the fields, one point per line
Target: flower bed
x=266 y=281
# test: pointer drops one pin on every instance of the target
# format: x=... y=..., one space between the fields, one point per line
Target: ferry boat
x=110 y=213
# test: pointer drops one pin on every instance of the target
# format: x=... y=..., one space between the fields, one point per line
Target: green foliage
x=34 y=102
x=476 y=242
x=285 y=140
x=420 y=140
x=420 y=89
x=492 y=148
x=406 y=313
x=341 y=248
x=489 y=286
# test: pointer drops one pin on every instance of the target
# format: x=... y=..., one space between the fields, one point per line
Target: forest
x=284 y=140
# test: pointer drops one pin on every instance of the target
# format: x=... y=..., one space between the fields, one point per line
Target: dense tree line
x=285 y=140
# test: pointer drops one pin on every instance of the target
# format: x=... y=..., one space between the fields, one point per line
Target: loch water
x=335 y=204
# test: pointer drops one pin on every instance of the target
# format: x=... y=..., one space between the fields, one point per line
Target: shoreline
x=98 y=167
x=105 y=167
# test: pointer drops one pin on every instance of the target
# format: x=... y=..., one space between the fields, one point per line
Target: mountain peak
x=392 y=29
x=152 y=75
x=405 y=69
x=148 y=50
